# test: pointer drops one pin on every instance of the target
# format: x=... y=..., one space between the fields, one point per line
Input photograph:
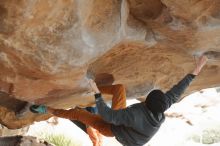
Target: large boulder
x=47 y=48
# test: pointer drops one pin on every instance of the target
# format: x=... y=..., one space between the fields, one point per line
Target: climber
x=94 y=135
x=134 y=125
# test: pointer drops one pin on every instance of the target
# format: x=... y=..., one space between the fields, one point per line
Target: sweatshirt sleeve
x=116 y=117
x=177 y=90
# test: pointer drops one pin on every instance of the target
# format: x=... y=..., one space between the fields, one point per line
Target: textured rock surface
x=22 y=141
x=10 y=107
x=47 y=47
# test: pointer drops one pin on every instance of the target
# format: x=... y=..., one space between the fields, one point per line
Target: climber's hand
x=93 y=86
x=200 y=64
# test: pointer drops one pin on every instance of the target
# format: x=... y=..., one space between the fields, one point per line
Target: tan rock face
x=47 y=47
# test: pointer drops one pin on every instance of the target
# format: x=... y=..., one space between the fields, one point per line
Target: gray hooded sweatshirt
x=136 y=124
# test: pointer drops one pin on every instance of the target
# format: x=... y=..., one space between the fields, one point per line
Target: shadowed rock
x=22 y=141
x=213 y=55
x=11 y=103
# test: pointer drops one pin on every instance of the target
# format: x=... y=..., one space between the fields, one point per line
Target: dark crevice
x=101 y=79
x=10 y=102
x=146 y=9
x=104 y=79
x=10 y=141
x=213 y=55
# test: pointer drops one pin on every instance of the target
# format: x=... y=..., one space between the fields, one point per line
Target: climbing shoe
x=41 y=109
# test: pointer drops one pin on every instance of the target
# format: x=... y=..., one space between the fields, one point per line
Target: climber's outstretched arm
x=177 y=90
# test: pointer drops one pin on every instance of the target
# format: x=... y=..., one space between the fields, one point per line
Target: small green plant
x=59 y=140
